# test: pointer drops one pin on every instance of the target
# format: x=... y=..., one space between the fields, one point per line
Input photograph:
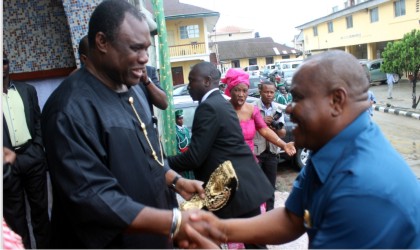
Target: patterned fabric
x=11 y=240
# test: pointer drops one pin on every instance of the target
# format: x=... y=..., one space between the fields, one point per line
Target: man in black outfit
x=216 y=138
x=22 y=134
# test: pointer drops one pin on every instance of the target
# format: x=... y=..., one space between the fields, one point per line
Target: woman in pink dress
x=249 y=116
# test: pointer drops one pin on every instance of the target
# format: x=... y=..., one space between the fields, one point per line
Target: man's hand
x=200 y=229
x=268 y=120
x=187 y=188
x=144 y=79
x=290 y=149
x=8 y=156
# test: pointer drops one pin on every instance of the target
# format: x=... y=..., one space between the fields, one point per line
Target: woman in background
x=249 y=116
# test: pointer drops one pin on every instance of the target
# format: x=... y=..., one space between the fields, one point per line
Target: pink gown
x=250 y=127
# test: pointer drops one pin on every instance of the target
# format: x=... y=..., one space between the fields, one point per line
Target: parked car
x=268 y=69
x=376 y=75
x=363 y=63
x=180 y=89
x=287 y=76
x=287 y=64
x=254 y=83
x=189 y=106
x=302 y=154
x=253 y=70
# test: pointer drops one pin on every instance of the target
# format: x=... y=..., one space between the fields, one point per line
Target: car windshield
x=181 y=90
x=253 y=82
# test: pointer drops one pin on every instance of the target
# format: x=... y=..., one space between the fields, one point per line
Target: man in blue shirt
x=355 y=191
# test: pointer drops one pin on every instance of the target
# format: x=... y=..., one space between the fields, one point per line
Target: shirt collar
x=11 y=85
x=180 y=127
x=208 y=93
x=326 y=158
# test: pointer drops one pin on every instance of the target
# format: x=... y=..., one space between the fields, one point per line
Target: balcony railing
x=187 y=49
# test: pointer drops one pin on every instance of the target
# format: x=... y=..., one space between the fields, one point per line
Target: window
x=269 y=60
x=374 y=17
x=252 y=61
x=330 y=27
x=285 y=57
x=315 y=29
x=236 y=64
x=190 y=31
x=399 y=8
x=349 y=21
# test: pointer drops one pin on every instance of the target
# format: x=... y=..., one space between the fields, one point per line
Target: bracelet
x=149 y=81
x=173 y=184
x=176 y=222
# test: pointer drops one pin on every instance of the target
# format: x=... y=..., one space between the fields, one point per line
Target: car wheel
x=302 y=156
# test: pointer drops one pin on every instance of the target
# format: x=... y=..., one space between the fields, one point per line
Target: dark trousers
x=268 y=162
x=32 y=181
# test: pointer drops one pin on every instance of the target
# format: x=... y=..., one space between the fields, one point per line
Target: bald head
x=207 y=69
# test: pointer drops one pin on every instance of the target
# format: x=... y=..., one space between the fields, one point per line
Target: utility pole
x=168 y=117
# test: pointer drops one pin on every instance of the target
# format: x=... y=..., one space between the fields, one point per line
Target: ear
x=207 y=81
x=338 y=99
x=101 y=42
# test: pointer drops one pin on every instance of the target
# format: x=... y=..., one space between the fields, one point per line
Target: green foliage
x=404 y=55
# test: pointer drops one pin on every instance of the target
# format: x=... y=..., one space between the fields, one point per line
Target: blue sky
x=271 y=18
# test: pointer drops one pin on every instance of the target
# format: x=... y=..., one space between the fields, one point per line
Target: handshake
x=203 y=229
x=200 y=229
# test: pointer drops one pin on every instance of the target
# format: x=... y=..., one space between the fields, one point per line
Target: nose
x=143 y=57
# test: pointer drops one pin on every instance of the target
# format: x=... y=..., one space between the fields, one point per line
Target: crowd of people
x=113 y=187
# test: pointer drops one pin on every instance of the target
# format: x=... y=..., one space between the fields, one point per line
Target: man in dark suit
x=216 y=138
x=22 y=134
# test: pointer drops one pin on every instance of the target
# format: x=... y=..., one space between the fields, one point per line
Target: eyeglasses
x=5 y=61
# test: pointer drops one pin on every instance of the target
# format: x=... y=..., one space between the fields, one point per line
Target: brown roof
x=252 y=48
x=174 y=9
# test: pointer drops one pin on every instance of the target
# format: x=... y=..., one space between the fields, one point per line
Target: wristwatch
x=149 y=81
x=173 y=184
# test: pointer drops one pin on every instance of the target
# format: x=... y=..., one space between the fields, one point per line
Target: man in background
x=22 y=134
x=265 y=151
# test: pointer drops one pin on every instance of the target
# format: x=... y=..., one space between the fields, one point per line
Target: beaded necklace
x=143 y=127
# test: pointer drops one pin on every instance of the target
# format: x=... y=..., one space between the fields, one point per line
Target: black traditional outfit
x=102 y=169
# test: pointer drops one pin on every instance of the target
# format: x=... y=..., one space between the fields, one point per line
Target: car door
x=375 y=71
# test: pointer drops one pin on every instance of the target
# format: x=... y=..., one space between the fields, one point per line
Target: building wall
x=174 y=36
x=186 y=67
x=388 y=28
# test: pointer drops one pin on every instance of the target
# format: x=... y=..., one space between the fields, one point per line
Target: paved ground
x=302 y=242
x=401 y=102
